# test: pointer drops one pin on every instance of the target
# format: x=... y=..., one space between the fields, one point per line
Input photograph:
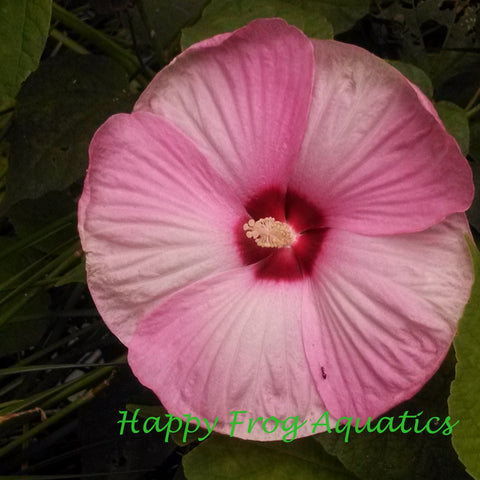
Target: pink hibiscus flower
x=278 y=228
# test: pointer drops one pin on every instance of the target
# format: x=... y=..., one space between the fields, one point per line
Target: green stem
x=40 y=235
x=473 y=111
x=125 y=58
x=48 y=271
x=472 y=101
x=68 y=42
x=53 y=419
x=80 y=384
x=59 y=393
x=51 y=348
x=41 y=368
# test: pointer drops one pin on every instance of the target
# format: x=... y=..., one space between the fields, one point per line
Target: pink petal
x=382 y=312
x=243 y=99
x=375 y=159
x=153 y=218
x=233 y=344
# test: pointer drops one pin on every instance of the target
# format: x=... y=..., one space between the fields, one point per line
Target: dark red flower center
x=286 y=263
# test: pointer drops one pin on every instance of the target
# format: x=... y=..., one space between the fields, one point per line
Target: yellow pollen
x=270 y=233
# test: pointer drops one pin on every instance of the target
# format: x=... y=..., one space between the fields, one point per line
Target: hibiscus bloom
x=278 y=228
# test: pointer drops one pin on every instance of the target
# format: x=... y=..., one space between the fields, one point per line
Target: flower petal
x=229 y=343
x=243 y=98
x=153 y=218
x=375 y=158
x=382 y=312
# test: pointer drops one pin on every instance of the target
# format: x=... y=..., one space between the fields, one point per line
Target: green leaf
x=342 y=14
x=404 y=456
x=76 y=275
x=162 y=20
x=221 y=458
x=456 y=122
x=227 y=15
x=24 y=28
x=59 y=108
x=464 y=404
x=416 y=75
x=29 y=216
x=21 y=332
x=24 y=332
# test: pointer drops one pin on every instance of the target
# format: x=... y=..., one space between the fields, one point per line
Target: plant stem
x=53 y=419
x=473 y=111
x=472 y=101
x=40 y=235
x=125 y=58
x=68 y=42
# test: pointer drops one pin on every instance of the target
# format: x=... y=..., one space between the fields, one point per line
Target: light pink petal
x=375 y=158
x=229 y=343
x=153 y=218
x=243 y=98
x=382 y=312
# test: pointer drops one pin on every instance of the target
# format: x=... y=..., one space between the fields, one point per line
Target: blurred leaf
x=221 y=458
x=164 y=19
x=456 y=122
x=59 y=108
x=428 y=32
x=416 y=75
x=404 y=456
x=17 y=335
x=342 y=14
x=29 y=216
x=24 y=28
x=227 y=15
x=464 y=402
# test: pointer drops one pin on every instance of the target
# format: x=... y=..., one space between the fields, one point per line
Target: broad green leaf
x=416 y=75
x=221 y=458
x=456 y=122
x=59 y=108
x=405 y=456
x=24 y=28
x=226 y=15
x=464 y=401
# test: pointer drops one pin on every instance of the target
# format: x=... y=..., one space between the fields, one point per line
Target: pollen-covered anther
x=270 y=233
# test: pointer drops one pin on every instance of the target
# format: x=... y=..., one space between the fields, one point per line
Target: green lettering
x=251 y=423
x=318 y=424
x=368 y=426
x=346 y=427
x=292 y=428
x=264 y=424
x=156 y=425
x=446 y=423
x=234 y=422
x=436 y=420
x=132 y=422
